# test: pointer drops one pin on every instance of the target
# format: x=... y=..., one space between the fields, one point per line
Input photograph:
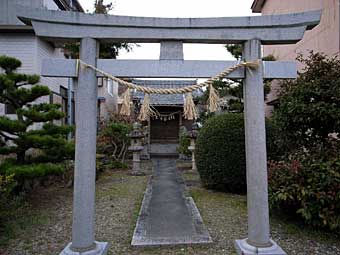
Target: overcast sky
x=175 y=9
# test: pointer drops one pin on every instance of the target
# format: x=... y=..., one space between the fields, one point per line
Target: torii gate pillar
x=83 y=227
x=258 y=241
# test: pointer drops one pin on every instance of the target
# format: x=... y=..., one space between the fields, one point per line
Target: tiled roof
x=156 y=99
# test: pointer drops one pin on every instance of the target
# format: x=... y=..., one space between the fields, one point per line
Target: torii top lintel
x=270 y=29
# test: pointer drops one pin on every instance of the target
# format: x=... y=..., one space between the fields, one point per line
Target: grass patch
x=184 y=164
x=295 y=227
x=21 y=221
x=225 y=215
x=191 y=176
x=118 y=201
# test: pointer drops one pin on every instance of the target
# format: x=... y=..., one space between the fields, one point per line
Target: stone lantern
x=136 y=147
x=193 y=135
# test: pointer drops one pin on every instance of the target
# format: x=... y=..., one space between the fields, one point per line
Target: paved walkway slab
x=164 y=150
x=167 y=217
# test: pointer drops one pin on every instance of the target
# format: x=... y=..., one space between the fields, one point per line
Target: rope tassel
x=146 y=110
x=126 y=107
x=213 y=99
x=190 y=112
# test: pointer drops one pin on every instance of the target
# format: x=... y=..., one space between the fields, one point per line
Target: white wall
x=21 y=46
x=31 y=51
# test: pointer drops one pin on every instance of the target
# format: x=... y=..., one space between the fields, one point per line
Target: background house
x=107 y=98
x=324 y=38
x=19 y=41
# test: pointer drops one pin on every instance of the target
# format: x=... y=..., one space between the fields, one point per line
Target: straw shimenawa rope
x=183 y=90
x=190 y=111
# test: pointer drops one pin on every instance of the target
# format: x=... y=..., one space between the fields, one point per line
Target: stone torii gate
x=61 y=27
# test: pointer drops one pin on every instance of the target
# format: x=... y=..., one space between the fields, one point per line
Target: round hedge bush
x=220 y=152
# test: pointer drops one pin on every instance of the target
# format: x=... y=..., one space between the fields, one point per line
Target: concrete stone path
x=164 y=150
x=167 y=217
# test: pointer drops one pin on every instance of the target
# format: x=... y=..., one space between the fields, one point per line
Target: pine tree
x=20 y=92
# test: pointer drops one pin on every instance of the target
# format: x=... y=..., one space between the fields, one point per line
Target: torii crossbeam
x=61 y=27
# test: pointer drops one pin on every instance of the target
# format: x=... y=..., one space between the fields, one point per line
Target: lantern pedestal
x=136 y=147
x=193 y=136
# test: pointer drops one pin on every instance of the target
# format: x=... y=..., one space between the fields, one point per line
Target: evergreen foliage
x=309 y=107
x=29 y=171
x=308 y=186
x=113 y=139
x=220 y=152
x=235 y=50
x=20 y=91
x=184 y=142
x=306 y=182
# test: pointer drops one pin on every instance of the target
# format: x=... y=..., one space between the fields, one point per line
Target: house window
x=100 y=82
x=9 y=109
x=110 y=87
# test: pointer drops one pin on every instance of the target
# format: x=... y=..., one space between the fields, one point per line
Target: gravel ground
x=44 y=227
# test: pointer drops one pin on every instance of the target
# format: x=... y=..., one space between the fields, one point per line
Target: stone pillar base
x=100 y=249
x=243 y=248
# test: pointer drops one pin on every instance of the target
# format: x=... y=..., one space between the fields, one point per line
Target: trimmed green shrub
x=309 y=188
x=220 y=152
